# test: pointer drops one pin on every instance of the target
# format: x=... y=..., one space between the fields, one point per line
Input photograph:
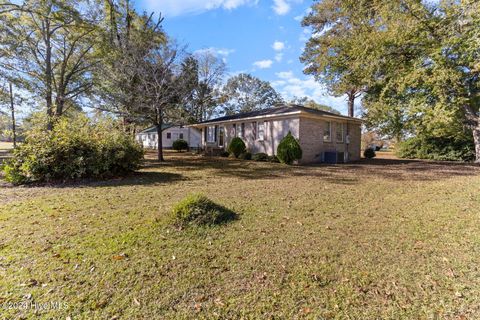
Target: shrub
x=236 y=147
x=289 y=149
x=369 y=153
x=196 y=209
x=260 y=157
x=180 y=145
x=224 y=154
x=437 y=148
x=245 y=156
x=273 y=159
x=75 y=148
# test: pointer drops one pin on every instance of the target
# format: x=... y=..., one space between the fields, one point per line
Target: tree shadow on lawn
x=348 y=174
x=416 y=170
x=139 y=178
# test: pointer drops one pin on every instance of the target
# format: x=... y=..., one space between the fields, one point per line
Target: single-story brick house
x=148 y=138
x=323 y=136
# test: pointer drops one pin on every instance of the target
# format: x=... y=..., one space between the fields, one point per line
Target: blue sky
x=261 y=37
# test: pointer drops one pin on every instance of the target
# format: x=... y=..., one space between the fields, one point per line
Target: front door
x=221 y=136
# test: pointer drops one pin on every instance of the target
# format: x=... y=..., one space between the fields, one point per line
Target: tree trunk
x=351 y=103
x=159 y=143
x=12 y=107
x=476 y=139
x=48 y=75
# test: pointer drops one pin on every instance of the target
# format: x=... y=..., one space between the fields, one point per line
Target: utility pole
x=12 y=108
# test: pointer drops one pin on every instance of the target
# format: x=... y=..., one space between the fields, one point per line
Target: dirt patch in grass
x=383 y=239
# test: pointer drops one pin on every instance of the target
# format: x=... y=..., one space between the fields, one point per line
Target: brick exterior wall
x=313 y=145
x=309 y=132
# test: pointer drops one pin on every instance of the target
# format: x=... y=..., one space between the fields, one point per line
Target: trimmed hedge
x=369 y=153
x=75 y=148
x=260 y=156
x=197 y=209
x=180 y=145
x=236 y=147
x=245 y=156
x=289 y=149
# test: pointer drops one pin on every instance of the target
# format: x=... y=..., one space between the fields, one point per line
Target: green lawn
x=381 y=239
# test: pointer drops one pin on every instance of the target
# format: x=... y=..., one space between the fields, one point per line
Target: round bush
x=180 y=145
x=289 y=149
x=369 y=153
x=224 y=154
x=75 y=148
x=236 y=147
x=196 y=209
x=260 y=157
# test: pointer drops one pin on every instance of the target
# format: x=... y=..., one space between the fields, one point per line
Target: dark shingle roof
x=278 y=110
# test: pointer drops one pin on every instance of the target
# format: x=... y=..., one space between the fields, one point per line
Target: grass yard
x=381 y=239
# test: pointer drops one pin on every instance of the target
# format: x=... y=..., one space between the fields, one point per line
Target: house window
x=221 y=136
x=261 y=131
x=254 y=130
x=327 y=132
x=241 y=131
x=180 y=136
x=340 y=132
x=169 y=135
x=234 y=130
x=211 y=134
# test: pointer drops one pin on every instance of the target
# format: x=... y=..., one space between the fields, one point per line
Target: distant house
x=323 y=136
x=149 y=137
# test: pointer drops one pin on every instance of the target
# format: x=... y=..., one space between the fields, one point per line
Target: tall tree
x=245 y=93
x=331 y=53
x=203 y=75
x=430 y=71
x=47 y=46
x=127 y=37
x=160 y=80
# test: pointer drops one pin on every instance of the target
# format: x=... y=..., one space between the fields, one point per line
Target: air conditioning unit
x=333 y=157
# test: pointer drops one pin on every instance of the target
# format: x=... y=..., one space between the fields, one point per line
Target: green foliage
x=437 y=148
x=236 y=147
x=75 y=148
x=369 y=153
x=260 y=156
x=180 y=145
x=245 y=93
x=289 y=149
x=245 y=156
x=224 y=154
x=310 y=103
x=197 y=209
x=273 y=159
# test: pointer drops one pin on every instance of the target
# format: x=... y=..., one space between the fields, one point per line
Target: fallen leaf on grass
x=136 y=301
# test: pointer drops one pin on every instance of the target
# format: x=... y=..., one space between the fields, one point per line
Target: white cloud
x=291 y=86
x=285 y=74
x=180 y=7
x=217 y=52
x=263 y=64
x=281 y=7
x=278 y=46
x=279 y=57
